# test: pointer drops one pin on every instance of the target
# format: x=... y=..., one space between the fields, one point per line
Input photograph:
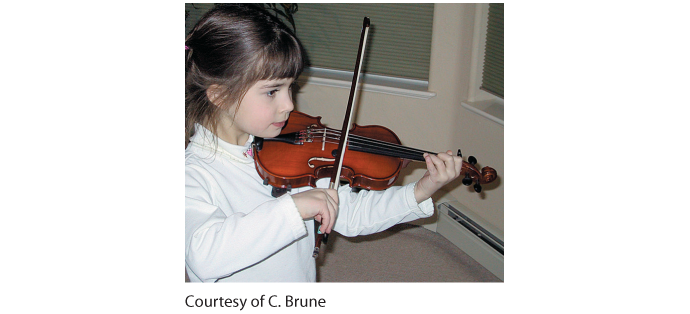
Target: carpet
x=403 y=253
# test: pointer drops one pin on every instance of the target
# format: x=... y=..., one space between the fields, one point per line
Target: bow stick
x=342 y=144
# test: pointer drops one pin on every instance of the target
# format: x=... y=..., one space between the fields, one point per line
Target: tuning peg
x=472 y=160
x=467 y=180
x=477 y=187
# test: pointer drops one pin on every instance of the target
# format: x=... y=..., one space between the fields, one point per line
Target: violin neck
x=372 y=146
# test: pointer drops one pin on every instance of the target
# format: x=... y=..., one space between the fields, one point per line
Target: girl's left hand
x=441 y=170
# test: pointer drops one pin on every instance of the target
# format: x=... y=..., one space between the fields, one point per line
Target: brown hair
x=234 y=46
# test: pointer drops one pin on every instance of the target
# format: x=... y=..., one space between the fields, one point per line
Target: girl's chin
x=269 y=134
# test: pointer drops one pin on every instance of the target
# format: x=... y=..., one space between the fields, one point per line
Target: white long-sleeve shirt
x=236 y=231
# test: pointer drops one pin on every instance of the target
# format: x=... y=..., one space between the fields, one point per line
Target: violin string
x=365 y=140
x=387 y=148
x=355 y=140
x=374 y=150
x=374 y=145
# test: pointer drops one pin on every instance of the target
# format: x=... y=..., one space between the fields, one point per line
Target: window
x=492 y=74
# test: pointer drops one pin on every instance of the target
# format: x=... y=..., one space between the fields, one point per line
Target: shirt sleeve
x=220 y=243
x=367 y=212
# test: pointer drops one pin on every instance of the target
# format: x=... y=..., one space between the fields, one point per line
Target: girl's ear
x=215 y=95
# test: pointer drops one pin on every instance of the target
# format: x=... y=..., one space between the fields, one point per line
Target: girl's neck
x=232 y=136
x=239 y=140
x=228 y=135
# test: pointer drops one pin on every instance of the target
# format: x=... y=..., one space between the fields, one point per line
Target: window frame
x=481 y=20
x=368 y=82
x=479 y=101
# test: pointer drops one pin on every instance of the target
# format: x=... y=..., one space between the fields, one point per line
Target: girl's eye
x=272 y=93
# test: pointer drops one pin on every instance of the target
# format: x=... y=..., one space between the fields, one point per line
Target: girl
x=240 y=65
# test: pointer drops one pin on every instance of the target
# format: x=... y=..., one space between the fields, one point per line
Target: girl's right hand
x=321 y=204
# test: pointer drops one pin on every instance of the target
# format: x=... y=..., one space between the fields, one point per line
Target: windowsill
x=490 y=109
x=368 y=82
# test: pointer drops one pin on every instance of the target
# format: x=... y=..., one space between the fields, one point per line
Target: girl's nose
x=287 y=104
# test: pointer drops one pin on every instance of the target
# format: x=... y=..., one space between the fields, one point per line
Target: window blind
x=492 y=78
x=399 y=41
x=193 y=13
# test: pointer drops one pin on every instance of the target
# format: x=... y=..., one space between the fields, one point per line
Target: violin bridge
x=323 y=143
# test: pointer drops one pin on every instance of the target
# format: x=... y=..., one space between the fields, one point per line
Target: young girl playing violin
x=241 y=63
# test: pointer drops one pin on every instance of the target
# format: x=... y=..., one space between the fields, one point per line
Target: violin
x=306 y=150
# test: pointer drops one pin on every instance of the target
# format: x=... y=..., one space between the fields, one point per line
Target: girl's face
x=263 y=112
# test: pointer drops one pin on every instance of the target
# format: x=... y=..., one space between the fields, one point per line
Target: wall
x=436 y=124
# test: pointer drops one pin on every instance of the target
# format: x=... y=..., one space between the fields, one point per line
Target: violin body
x=309 y=155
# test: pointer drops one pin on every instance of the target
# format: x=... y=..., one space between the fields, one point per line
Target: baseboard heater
x=471 y=237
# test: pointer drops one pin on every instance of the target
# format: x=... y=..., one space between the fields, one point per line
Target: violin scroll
x=487 y=174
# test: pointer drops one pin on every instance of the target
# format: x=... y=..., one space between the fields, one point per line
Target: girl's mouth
x=279 y=124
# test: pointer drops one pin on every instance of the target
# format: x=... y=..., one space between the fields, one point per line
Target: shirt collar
x=205 y=139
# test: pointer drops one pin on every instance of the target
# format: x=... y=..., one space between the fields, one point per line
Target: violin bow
x=342 y=144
